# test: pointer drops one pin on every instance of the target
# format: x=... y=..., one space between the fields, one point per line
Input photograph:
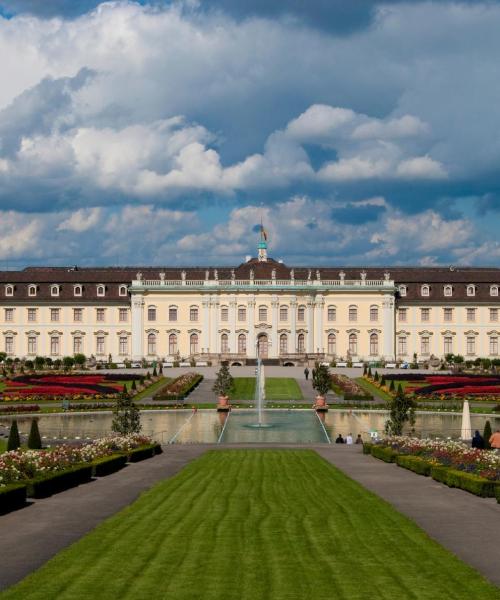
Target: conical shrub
x=14 y=441
x=487 y=435
x=34 y=439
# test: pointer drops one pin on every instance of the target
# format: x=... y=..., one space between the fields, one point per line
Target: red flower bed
x=61 y=385
x=457 y=385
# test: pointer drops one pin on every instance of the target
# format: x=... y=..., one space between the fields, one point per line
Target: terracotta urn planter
x=223 y=400
x=320 y=401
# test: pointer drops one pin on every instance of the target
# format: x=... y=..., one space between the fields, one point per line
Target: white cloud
x=81 y=220
x=421 y=167
x=405 y=126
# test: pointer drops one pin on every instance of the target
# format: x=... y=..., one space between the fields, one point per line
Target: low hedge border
x=144 y=452
x=182 y=395
x=109 y=464
x=479 y=486
x=414 y=463
x=386 y=454
x=497 y=493
x=12 y=496
x=367 y=448
x=58 y=481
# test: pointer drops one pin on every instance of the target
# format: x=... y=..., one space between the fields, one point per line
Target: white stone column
x=205 y=323
x=388 y=327
x=251 y=351
x=233 y=346
x=318 y=321
x=214 y=323
x=310 y=326
x=137 y=323
x=292 y=346
x=274 y=331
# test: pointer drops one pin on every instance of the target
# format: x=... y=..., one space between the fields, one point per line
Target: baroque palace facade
x=290 y=315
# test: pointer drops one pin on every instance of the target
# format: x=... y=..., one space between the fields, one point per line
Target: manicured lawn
x=256 y=525
x=277 y=388
x=243 y=388
x=3 y=446
x=149 y=391
x=371 y=389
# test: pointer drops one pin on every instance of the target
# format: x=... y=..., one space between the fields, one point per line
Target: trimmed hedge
x=367 y=448
x=109 y=464
x=497 y=493
x=440 y=473
x=143 y=452
x=479 y=486
x=385 y=454
x=12 y=496
x=414 y=463
x=58 y=481
x=162 y=394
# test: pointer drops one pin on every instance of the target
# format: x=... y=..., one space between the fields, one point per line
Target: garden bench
x=341 y=364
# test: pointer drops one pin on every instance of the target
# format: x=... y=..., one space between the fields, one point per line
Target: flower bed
x=179 y=388
x=351 y=390
x=449 y=385
x=19 y=408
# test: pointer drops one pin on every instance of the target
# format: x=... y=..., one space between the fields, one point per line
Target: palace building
x=289 y=315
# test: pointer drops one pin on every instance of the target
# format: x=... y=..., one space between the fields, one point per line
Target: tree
x=321 y=379
x=134 y=385
x=39 y=362
x=80 y=360
x=3 y=356
x=48 y=361
x=34 y=439
x=458 y=359
x=57 y=363
x=382 y=380
x=160 y=369
x=155 y=374
x=14 y=441
x=29 y=364
x=401 y=411
x=370 y=372
x=365 y=370
x=487 y=435
x=223 y=382
x=392 y=386
x=126 y=416
x=68 y=362
x=376 y=376
x=125 y=390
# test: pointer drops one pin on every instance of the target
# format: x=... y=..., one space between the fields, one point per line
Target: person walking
x=477 y=441
x=306 y=373
x=359 y=439
x=340 y=439
x=348 y=439
x=495 y=440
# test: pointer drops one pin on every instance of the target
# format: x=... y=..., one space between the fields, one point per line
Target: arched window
x=9 y=290
x=471 y=290
x=224 y=313
x=242 y=344
x=332 y=313
x=151 y=343
x=448 y=290
x=301 y=346
x=402 y=290
x=151 y=313
x=332 y=343
x=374 y=313
x=283 y=343
x=122 y=291
x=301 y=313
x=283 y=313
x=353 y=313
x=262 y=313
x=353 y=344
x=374 y=344
x=172 y=344
x=172 y=313
x=101 y=290
x=54 y=290
x=425 y=290
x=193 y=343
x=32 y=290
x=77 y=290
x=224 y=343
x=493 y=290
x=193 y=313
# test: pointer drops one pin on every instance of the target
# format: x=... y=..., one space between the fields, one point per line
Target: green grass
x=277 y=388
x=256 y=525
x=243 y=388
x=371 y=389
x=3 y=446
x=152 y=389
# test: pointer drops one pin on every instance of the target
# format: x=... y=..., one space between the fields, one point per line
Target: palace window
x=353 y=344
x=99 y=344
x=54 y=290
x=77 y=315
x=242 y=313
x=425 y=345
x=9 y=344
x=193 y=343
x=54 y=345
x=122 y=290
x=373 y=344
x=224 y=343
x=471 y=344
x=123 y=345
x=77 y=345
x=425 y=314
x=242 y=344
x=301 y=313
x=373 y=313
x=123 y=315
x=193 y=313
x=402 y=346
x=224 y=313
x=32 y=290
x=448 y=344
x=31 y=315
x=332 y=343
x=151 y=344
x=9 y=290
x=402 y=312
x=402 y=290
x=332 y=313
x=471 y=315
x=283 y=343
x=77 y=290
x=283 y=313
x=172 y=313
x=9 y=314
x=101 y=290
x=32 y=344
x=172 y=344
x=301 y=346
x=151 y=313
x=425 y=290
x=494 y=345
x=262 y=313
x=448 y=290
x=353 y=313
x=471 y=290
x=100 y=315
x=447 y=314
x=54 y=314
x=494 y=314
x=493 y=290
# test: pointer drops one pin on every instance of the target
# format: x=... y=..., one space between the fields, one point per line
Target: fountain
x=260 y=393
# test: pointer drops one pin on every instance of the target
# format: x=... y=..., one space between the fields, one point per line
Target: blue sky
x=161 y=132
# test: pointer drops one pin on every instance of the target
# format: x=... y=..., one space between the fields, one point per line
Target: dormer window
x=448 y=290
x=425 y=290
x=32 y=290
x=9 y=290
x=122 y=290
x=101 y=290
x=402 y=290
x=77 y=290
x=54 y=290
x=493 y=290
x=471 y=290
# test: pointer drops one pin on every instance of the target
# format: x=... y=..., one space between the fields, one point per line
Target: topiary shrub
x=34 y=439
x=155 y=373
x=415 y=464
x=392 y=386
x=440 y=473
x=385 y=454
x=376 y=378
x=14 y=441
x=133 y=386
x=486 y=435
x=479 y=486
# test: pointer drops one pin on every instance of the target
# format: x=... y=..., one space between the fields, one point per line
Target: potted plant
x=321 y=383
x=222 y=386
